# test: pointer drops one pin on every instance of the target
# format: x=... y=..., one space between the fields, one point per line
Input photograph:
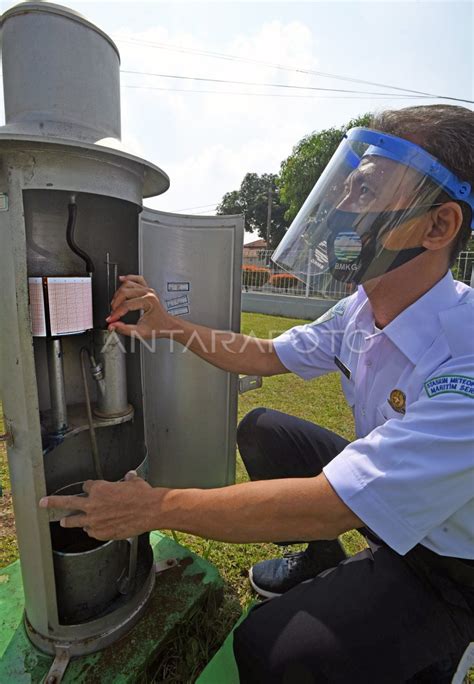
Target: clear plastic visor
x=361 y=196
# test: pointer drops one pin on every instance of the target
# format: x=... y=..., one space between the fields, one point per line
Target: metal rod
x=308 y=271
x=57 y=390
x=94 y=447
x=111 y=284
x=107 y=263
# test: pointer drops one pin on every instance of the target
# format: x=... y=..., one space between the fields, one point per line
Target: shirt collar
x=415 y=328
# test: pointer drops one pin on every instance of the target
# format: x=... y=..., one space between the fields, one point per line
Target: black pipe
x=71 y=226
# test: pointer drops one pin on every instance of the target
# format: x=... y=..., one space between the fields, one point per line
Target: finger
x=129 y=305
x=119 y=291
x=87 y=486
x=134 y=279
x=74 y=521
x=100 y=534
x=123 y=328
x=131 y=475
x=128 y=291
x=68 y=503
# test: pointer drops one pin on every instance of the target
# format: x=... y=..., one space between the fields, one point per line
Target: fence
x=260 y=274
x=462 y=269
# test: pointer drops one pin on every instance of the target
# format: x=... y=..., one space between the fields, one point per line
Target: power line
x=248 y=60
x=395 y=96
x=195 y=213
x=236 y=58
x=253 y=83
x=201 y=206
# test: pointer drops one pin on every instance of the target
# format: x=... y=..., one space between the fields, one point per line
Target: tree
x=300 y=171
x=252 y=201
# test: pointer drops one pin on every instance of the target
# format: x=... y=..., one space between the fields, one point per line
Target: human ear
x=445 y=224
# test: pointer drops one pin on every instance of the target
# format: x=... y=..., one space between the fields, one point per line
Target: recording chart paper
x=69 y=302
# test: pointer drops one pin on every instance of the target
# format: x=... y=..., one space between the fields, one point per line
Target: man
x=391 y=212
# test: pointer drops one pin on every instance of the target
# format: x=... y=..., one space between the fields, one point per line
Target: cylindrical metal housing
x=83 y=592
x=57 y=390
x=61 y=91
x=112 y=391
x=60 y=74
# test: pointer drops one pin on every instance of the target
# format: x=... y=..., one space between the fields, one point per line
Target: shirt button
x=368 y=362
x=363 y=410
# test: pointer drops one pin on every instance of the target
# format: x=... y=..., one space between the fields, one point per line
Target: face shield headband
x=331 y=235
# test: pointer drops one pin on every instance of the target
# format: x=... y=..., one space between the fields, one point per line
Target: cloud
x=203 y=177
x=207 y=142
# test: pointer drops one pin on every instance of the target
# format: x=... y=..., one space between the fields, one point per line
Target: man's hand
x=265 y=510
x=224 y=349
x=135 y=295
x=112 y=510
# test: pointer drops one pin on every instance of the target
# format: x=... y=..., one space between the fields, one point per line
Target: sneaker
x=271 y=578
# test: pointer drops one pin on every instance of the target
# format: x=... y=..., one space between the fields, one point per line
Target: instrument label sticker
x=176 y=286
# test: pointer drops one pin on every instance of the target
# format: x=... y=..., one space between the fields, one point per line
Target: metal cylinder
x=60 y=74
x=57 y=392
x=112 y=390
x=82 y=591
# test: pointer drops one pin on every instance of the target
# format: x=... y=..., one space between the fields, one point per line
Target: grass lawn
x=320 y=401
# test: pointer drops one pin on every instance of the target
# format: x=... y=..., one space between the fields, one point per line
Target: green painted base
x=177 y=595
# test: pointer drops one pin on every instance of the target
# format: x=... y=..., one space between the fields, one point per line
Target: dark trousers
x=373 y=619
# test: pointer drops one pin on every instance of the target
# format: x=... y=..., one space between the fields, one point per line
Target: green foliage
x=298 y=174
x=252 y=200
x=300 y=171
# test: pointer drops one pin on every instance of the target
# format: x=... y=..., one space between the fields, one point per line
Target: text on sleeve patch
x=445 y=384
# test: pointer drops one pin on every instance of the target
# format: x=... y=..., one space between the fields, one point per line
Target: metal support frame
x=60 y=663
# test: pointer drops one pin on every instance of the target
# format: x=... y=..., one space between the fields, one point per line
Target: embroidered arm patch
x=445 y=384
x=338 y=310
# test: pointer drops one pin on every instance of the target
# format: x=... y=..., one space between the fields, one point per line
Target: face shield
x=367 y=213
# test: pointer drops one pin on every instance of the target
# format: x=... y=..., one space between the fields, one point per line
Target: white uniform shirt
x=410 y=473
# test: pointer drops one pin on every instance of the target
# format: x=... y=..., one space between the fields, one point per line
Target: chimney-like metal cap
x=61 y=81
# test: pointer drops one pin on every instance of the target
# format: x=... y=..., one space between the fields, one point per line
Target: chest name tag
x=450 y=384
x=342 y=367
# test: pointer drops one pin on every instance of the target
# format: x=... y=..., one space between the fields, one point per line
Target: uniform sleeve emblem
x=450 y=384
x=337 y=310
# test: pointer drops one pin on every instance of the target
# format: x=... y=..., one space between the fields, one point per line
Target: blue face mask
x=353 y=247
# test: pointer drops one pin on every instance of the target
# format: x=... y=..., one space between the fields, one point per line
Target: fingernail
x=121 y=277
x=108 y=318
x=62 y=522
x=43 y=503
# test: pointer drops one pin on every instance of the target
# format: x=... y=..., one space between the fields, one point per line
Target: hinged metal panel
x=194 y=264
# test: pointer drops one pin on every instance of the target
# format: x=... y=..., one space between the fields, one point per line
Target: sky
x=206 y=142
